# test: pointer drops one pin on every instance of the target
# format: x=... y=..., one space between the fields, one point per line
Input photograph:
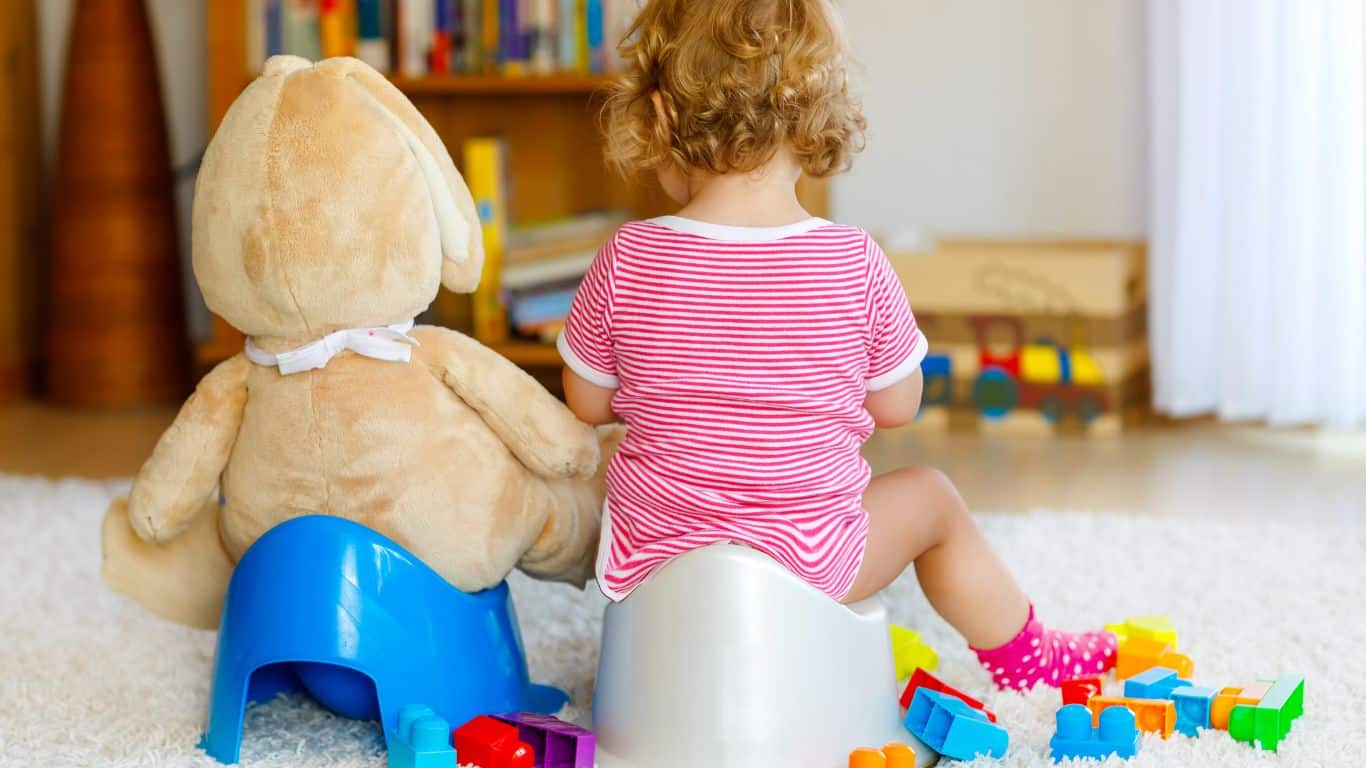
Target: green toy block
x=1268 y=721
x=911 y=652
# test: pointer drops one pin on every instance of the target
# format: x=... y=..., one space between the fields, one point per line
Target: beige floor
x=1239 y=472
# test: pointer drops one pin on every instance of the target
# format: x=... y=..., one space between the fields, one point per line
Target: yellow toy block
x=1157 y=628
x=911 y=652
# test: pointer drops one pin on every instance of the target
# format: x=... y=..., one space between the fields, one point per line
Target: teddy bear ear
x=457 y=218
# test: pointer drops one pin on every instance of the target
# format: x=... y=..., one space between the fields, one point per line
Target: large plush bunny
x=326 y=215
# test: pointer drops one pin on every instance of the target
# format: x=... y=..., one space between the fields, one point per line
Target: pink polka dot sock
x=1040 y=655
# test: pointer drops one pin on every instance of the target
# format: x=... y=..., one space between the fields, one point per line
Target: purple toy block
x=557 y=744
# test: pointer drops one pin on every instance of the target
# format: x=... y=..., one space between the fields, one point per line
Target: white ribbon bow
x=388 y=342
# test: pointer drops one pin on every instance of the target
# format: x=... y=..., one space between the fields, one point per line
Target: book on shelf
x=416 y=38
x=485 y=172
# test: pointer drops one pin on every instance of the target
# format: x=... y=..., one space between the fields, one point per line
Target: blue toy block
x=1117 y=734
x=422 y=740
x=1155 y=683
x=1192 y=708
x=952 y=728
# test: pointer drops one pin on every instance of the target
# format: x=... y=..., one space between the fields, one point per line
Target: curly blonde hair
x=735 y=78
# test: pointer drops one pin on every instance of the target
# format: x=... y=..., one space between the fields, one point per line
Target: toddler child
x=751 y=348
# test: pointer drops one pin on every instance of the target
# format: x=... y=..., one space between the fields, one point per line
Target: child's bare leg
x=916 y=515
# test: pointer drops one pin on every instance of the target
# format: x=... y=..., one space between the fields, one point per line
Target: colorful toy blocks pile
x=1161 y=698
x=519 y=740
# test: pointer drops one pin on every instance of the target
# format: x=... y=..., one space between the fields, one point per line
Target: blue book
x=510 y=37
x=541 y=308
x=275 y=28
x=598 y=58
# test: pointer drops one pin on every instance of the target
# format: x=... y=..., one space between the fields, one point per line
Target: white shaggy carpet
x=88 y=679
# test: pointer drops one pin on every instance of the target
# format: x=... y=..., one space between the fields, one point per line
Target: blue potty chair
x=328 y=606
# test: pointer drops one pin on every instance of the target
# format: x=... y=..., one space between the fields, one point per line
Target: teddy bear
x=327 y=213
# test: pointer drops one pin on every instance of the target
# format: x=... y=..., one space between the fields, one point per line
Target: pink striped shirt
x=741 y=357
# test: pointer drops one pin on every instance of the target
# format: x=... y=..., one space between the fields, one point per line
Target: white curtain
x=1258 y=236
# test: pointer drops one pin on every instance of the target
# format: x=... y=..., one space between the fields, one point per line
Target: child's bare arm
x=590 y=402
x=898 y=404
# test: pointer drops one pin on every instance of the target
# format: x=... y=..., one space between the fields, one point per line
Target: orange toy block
x=1139 y=654
x=1152 y=715
x=1228 y=698
x=890 y=756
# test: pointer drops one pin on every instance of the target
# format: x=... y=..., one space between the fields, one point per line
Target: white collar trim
x=387 y=342
x=737 y=234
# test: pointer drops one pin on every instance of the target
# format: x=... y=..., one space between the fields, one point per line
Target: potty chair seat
x=724 y=658
x=328 y=606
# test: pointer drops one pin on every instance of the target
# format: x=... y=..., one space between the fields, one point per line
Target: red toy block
x=489 y=743
x=1080 y=690
x=922 y=679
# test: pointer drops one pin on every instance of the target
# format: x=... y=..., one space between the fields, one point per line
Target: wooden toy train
x=1056 y=380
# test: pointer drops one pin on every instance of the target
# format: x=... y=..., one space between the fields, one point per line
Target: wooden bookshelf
x=550 y=126
x=20 y=196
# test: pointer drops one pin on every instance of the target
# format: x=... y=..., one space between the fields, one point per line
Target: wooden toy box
x=1031 y=335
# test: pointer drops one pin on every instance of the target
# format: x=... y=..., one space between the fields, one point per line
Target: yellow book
x=484 y=172
x=585 y=51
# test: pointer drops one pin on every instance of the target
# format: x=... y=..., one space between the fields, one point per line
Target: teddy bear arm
x=539 y=430
x=181 y=474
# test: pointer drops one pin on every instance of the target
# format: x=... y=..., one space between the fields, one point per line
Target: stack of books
x=414 y=38
x=530 y=272
x=543 y=265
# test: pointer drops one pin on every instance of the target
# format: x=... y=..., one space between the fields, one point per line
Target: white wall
x=179 y=34
x=1007 y=118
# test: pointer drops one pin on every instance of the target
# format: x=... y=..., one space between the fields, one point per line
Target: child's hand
x=898 y=404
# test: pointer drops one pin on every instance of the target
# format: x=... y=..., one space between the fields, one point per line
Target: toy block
x=1153 y=716
x=1193 y=705
x=899 y=755
x=1080 y=690
x=1157 y=628
x=951 y=727
x=911 y=652
x=1267 y=722
x=867 y=757
x=922 y=679
x=421 y=741
x=1231 y=697
x=890 y=756
x=1076 y=737
x=556 y=744
x=488 y=743
x=1155 y=683
x=1139 y=654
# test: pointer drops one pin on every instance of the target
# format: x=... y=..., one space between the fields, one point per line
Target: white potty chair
x=725 y=659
